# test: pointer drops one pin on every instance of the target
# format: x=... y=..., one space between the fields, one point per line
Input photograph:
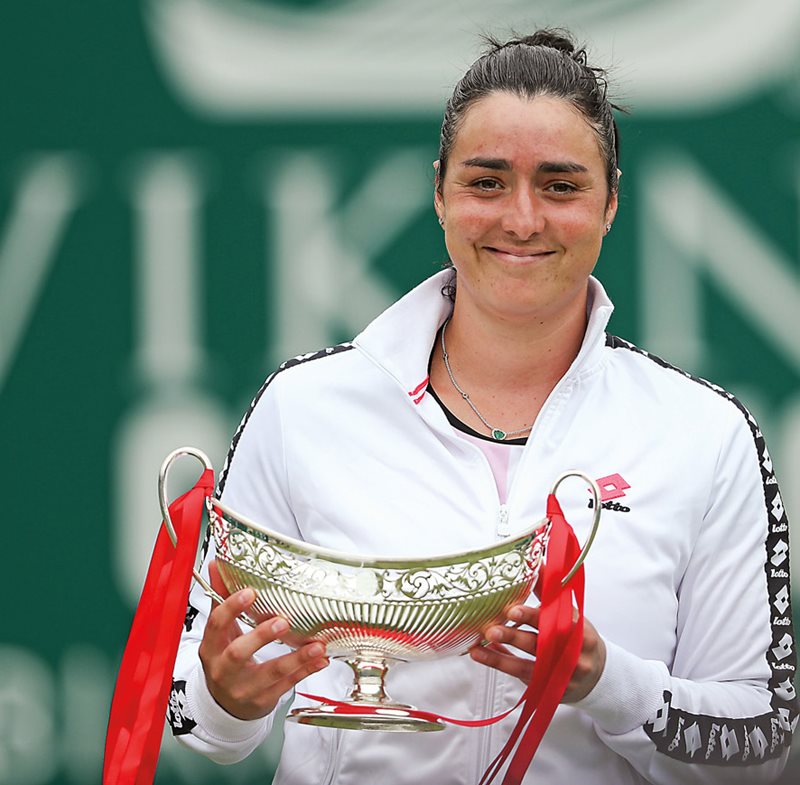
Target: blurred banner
x=194 y=190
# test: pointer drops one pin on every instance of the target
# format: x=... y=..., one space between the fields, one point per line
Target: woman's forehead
x=517 y=131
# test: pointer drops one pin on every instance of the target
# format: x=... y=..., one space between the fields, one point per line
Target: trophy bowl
x=373 y=612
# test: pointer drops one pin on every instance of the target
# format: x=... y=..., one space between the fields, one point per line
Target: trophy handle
x=596 y=507
x=163 y=502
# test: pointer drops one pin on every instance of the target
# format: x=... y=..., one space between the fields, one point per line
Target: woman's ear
x=438 y=202
x=613 y=203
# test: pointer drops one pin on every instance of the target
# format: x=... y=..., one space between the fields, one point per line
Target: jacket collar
x=400 y=340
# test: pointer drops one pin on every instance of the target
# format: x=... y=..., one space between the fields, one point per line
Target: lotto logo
x=612 y=487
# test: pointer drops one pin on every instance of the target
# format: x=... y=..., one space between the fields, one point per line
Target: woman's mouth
x=519 y=255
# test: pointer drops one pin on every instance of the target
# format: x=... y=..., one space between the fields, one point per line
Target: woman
x=442 y=426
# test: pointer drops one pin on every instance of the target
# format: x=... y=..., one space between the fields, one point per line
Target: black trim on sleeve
x=191 y=615
x=299 y=360
x=177 y=715
x=720 y=740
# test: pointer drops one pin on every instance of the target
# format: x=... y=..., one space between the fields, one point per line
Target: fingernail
x=246 y=596
x=494 y=634
x=315 y=650
x=279 y=626
x=515 y=614
x=478 y=654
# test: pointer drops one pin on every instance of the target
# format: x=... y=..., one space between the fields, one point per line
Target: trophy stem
x=370 y=679
x=368 y=706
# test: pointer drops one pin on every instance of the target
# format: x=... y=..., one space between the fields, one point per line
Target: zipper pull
x=503 y=529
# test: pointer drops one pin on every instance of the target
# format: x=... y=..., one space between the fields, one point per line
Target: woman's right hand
x=245 y=688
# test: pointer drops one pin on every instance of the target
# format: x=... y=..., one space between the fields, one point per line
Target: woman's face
x=524 y=204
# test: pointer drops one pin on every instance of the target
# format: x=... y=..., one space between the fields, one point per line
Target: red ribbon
x=136 y=722
x=341 y=707
x=559 y=645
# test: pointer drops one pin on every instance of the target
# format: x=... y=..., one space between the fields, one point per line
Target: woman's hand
x=591 y=660
x=245 y=688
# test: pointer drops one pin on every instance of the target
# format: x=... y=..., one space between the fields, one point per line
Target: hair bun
x=554 y=38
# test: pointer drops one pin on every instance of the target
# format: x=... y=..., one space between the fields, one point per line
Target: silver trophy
x=373 y=612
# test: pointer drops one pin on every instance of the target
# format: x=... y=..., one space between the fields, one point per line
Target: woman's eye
x=486 y=184
x=563 y=188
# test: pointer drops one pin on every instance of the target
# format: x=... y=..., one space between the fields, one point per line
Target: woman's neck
x=507 y=368
x=506 y=353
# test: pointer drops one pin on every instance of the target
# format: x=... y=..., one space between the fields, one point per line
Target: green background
x=88 y=111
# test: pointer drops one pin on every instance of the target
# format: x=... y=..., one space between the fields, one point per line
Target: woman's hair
x=546 y=63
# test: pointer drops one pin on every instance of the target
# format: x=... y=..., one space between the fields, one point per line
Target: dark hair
x=545 y=63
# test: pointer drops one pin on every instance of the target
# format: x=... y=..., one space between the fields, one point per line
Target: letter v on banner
x=50 y=190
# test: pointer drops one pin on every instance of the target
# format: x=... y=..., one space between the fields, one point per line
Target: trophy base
x=394 y=718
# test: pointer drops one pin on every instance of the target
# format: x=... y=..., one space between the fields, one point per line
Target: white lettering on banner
x=691 y=232
x=322 y=247
x=53 y=725
x=242 y=58
x=85 y=696
x=690 y=229
x=27 y=718
x=172 y=410
x=167 y=191
x=49 y=191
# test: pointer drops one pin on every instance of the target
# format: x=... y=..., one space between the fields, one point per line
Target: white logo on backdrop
x=246 y=58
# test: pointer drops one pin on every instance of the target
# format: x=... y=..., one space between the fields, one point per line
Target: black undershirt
x=464 y=428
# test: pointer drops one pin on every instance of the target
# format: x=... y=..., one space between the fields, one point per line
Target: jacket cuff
x=213 y=720
x=629 y=692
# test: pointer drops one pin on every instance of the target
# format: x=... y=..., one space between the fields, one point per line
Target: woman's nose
x=524 y=215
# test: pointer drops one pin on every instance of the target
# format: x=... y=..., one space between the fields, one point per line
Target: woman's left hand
x=524 y=637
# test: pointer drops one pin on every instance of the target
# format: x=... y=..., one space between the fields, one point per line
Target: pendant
x=498 y=434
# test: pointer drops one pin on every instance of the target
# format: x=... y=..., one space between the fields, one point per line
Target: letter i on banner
x=169 y=357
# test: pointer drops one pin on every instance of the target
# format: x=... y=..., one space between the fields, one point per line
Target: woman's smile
x=512 y=255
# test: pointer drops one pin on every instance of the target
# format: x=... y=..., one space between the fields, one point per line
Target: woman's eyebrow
x=547 y=167
x=500 y=164
x=554 y=167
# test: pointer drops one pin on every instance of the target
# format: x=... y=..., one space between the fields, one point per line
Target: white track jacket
x=688 y=579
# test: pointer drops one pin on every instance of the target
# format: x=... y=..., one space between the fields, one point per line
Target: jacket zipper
x=333 y=757
x=488 y=711
x=503 y=528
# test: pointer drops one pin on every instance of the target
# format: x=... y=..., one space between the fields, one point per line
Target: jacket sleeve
x=724 y=709
x=253 y=483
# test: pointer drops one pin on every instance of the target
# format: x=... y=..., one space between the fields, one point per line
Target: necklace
x=497 y=433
